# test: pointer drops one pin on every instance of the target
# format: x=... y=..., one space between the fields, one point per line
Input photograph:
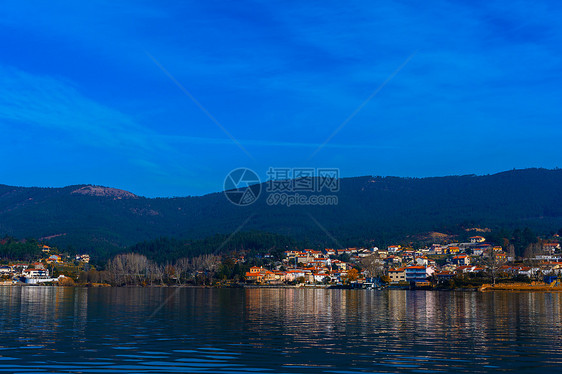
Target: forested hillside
x=377 y=209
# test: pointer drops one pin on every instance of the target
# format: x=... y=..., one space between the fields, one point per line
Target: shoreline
x=507 y=287
x=520 y=287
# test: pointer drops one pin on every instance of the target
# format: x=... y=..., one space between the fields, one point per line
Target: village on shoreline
x=475 y=264
x=53 y=268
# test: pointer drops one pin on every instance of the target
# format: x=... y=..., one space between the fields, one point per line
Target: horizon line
x=265 y=181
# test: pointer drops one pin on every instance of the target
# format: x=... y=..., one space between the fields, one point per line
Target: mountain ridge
x=370 y=208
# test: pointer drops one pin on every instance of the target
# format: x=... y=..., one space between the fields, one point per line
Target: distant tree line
x=198 y=262
x=164 y=249
x=12 y=249
x=131 y=269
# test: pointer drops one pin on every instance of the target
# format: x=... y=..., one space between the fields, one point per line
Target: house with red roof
x=259 y=274
x=444 y=276
x=331 y=252
x=461 y=260
x=418 y=273
x=54 y=258
x=393 y=248
x=397 y=275
x=552 y=247
x=293 y=274
x=477 y=239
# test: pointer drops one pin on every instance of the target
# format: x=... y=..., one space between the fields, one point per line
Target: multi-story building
x=397 y=275
x=418 y=273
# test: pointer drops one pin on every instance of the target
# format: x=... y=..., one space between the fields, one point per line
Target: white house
x=393 y=248
x=293 y=275
x=418 y=273
x=477 y=239
x=36 y=273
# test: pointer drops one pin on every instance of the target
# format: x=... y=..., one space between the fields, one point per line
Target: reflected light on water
x=56 y=329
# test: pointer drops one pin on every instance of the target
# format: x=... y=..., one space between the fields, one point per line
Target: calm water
x=74 y=330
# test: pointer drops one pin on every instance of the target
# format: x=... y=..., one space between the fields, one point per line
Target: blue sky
x=99 y=92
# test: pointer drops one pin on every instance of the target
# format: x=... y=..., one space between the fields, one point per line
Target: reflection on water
x=67 y=330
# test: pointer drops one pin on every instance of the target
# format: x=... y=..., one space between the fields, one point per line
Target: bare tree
x=170 y=272
x=493 y=265
x=373 y=265
x=115 y=269
x=129 y=268
x=156 y=273
x=511 y=251
x=183 y=266
x=133 y=268
x=532 y=250
x=206 y=265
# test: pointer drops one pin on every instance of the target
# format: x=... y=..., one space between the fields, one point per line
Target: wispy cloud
x=358 y=109
x=199 y=105
x=280 y=77
x=265 y=143
x=35 y=100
